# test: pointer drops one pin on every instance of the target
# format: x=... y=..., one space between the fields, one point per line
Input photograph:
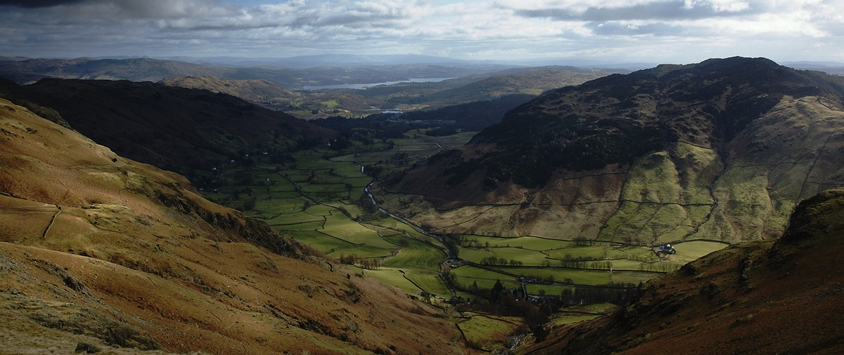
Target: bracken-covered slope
x=765 y=297
x=100 y=250
x=169 y=127
x=721 y=150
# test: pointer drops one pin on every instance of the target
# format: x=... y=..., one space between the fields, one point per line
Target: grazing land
x=318 y=197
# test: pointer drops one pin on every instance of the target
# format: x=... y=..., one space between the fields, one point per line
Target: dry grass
x=136 y=249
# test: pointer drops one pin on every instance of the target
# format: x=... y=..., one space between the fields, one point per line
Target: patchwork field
x=317 y=197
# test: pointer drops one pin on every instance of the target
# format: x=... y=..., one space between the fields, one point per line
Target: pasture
x=485 y=332
x=315 y=198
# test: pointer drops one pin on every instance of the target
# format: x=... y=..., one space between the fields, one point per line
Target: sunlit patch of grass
x=429 y=282
x=296 y=218
x=414 y=254
x=320 y=241
x=467 y=275
x=486 y=332
x=390 y=276
x=688 y=251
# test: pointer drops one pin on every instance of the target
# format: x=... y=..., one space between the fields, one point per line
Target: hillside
x=477 y=89
x=719 y=150
x=99 y=251
x=27 y=70
x=473 y=116
x=767 y=297
x=260 y=92
x=173 y=128
x=523 y=81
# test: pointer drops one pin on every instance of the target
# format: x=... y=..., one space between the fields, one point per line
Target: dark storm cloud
x=158 y=9
x=37 y=3
x=670 y=10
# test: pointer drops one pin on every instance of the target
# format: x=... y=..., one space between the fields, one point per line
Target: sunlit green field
x=429 y=282
x=414 y=253
x=391 y=276
x=316 y=200
x=487 y=332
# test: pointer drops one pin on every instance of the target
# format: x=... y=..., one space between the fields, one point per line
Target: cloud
x=478 y=29
x=36 y=3
x=121 y=10
x=657 y=10
x=632 y=29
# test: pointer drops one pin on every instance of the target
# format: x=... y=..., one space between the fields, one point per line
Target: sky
x=649 y=31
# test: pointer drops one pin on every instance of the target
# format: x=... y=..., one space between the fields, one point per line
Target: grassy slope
x=686 y=192
x=765 y=297
x=136 y=251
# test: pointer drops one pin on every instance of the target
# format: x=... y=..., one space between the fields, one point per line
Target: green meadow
x=486 y=332
x=317 y=197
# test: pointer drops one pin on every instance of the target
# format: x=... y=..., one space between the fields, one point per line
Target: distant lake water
x=365 y=86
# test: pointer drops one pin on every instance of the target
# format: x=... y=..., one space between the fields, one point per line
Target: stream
x=449 y=251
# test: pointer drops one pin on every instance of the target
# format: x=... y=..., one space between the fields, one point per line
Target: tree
x=249 y=204
x=495 y=292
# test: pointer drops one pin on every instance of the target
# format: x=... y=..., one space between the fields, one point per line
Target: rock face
x=723 y=149
x=100 y=250
x=763 y=297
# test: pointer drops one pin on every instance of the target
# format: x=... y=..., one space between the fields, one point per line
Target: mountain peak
x=677 y=136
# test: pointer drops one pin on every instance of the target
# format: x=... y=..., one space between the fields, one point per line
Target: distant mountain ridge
x=723 y=149
x=26 y=70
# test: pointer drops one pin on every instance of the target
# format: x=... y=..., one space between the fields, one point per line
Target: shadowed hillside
x=758 y=297
x=172 y=128
x=101 y=252
x=720 y=150
x=473 y=116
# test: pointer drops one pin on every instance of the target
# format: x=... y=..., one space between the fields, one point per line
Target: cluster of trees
x=491 y=260
x=467 y=242
x=366 y=263
x=615 y=293
x=507 y=302
x=583 y=242
x=584 y=262
x=471 y=243
x=659 y=267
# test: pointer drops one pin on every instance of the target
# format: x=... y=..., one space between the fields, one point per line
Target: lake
x=365 y=86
